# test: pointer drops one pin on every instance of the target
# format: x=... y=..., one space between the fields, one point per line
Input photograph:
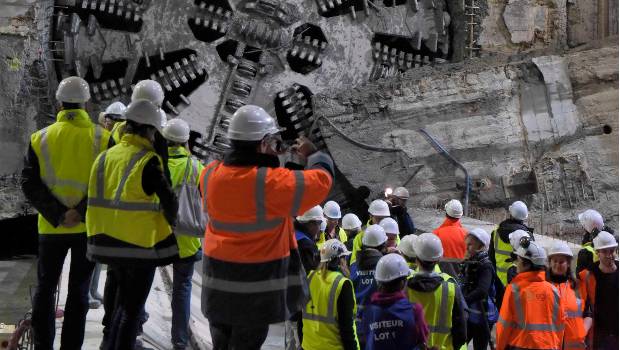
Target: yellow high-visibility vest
x=178 y=163
x=437 y=313
x=118 y=130
x=342 y=236
x=588 y=246
x=320 y=317
x=119 y=208
x=66 y=151
x=502 y=253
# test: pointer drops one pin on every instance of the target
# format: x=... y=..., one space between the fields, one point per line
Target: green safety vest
x=588 y=246
x=437 y=313
x=320 y=316
x=502 y=253
x=342 y=236
x=66 y=151
x=119 y=208
x=118 y=130
x=178 y=158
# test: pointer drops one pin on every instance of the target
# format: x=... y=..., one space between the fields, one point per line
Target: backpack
x=191 y=220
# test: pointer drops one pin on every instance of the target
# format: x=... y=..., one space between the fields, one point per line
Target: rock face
x=24 y=100
x=522 y=129
x=523 y=19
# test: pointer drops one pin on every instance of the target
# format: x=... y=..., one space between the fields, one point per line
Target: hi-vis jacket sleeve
x=503 y=333
x=292 y=192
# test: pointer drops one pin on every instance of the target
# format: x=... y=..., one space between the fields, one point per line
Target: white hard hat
x=144 y=112
x=590 y=220
x=251 y=123
x=428 y=247
x=374 y=236
x=323 y=226
x=148 y=90
x=529 y=250
x=391 y=267
x=604 y=240
x=176 y=130
x=407 y=244
x=351 y=221
x=401 y=192
x=117 y=109
x=379 y=207
x=389 y=225
x=331 y=210
x=559 y=248
x=518 y=210
x=515 y=238
x=333 y=248
x=481 y=235
x=73 y=90
x=313 y=214
x=454 y=209
x=164 y=118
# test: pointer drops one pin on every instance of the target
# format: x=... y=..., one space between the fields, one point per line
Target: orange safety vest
x=252 y=271
x=452 y=236
x=574 y=332
x=587 y=289
x=532 y=314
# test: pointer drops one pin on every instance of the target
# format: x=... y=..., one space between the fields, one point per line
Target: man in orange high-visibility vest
x=532 y=314
x=252 y=273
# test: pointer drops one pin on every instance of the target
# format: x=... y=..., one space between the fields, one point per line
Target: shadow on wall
x=19 y=236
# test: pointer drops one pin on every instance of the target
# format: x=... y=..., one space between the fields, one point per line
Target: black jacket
x=368 y=258
x=585 y=259
x=504 y=229
x=478 y=277
x=424 y=282
x=402 y=217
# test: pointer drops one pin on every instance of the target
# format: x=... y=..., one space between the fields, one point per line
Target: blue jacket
x=390 y=324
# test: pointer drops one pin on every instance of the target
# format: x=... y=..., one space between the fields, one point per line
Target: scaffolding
x=470 y=13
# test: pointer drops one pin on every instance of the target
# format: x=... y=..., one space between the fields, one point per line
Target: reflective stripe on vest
x=320 y=314
x=330 y=318
x=119 y=208
x=132 y=253
x=265 y=286
x=261 y=223
x=521 y=321
x=50 y=178
x=116 y=203
x=442 y=326
x=437 y=312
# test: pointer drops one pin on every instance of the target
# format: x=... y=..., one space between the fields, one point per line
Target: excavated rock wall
x=530 y=129
x=24 y=94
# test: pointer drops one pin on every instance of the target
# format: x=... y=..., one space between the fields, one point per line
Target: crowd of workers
x=271 y=253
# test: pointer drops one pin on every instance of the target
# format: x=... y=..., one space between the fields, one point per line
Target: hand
x=587 y=323
x=303 y=147
x=392 y=250
x=72 y=218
